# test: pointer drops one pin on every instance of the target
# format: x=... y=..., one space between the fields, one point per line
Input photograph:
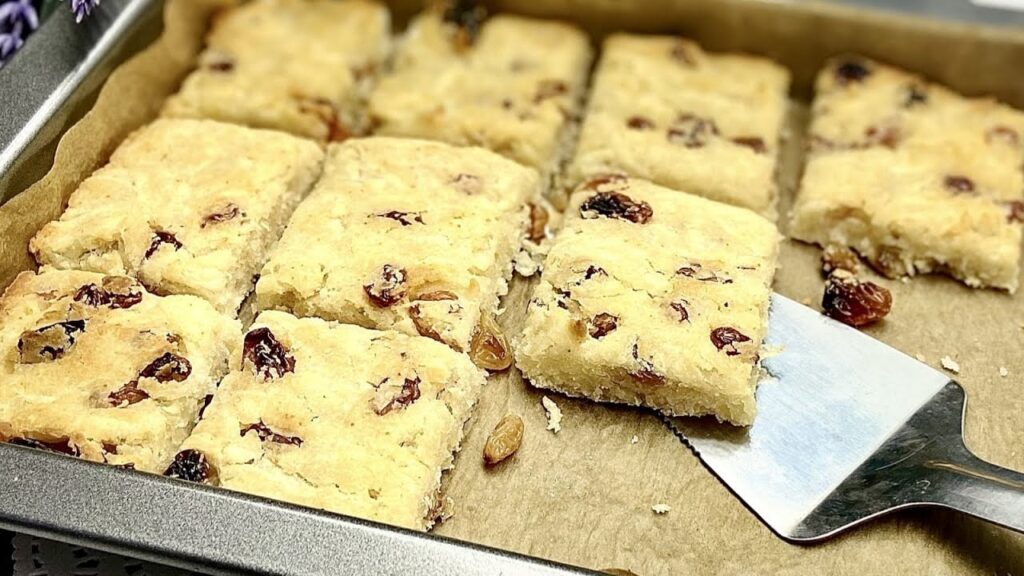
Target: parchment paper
x=584 y=496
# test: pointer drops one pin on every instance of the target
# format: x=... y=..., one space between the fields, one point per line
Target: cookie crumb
x=1003 y=372
x=950 y=364
x=634 y=439
x=921 y=358
x=554 y=414
x=661 y=508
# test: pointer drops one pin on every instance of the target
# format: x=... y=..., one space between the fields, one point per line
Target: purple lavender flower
x=16 y=16
x=83 y=8
x=9 y=44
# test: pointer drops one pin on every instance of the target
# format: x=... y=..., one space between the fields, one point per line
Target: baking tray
x=211 y=530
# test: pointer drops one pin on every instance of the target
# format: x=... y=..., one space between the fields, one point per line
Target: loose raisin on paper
x=855 y=302
x=269 y=358
x=504 y=440
x=618 y=206
x=193 y=466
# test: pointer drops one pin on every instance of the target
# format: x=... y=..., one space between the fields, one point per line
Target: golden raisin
x=504 y=440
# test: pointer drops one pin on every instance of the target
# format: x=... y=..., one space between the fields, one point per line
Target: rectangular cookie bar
x=514 y=88
x=912 y=176
x=96 y=367
x=653 y=297
x=302 y=66
x=664 y=110
x=413 y=235
x=186 y=206
x=337 y=417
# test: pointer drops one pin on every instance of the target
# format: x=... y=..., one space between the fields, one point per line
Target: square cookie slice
x=653 y=297
x=186 y=206
x=664 y=110
x=412 y=235
x=94 y=366
x=302 y=66
x=913 y=177
x=515 y=88
x=337 y=417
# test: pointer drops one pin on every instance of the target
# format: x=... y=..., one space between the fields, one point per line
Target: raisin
x=682 y=53
x=916 y=96
x=327 y=113
x=388 y=287
x=117 y=292
x=606 y=183
x=562 y=296
x=49 y=342
x=616 y=205
x=206 y=404
x=1014 y=211
x=680 y=307
x=269 y=357
x=390 y=397
x=855 y=302
x=109 y=447
x=726 y=338
x=403 y=218
x=127 y=395
x=697 y=272
x=692 y=131
x=468 y=17
x=549 y=89
x=220 y=63
x=592 y=271
x=265 y=433
x=168 y=367
x=959 y=184
x=602 y=325
x=538 y=223
x=489 y=348
x=159 y=238
x=1002 y=134
x=193 y=466
x=837 y=257
x=645 y=372
x=436 y=296
x=753 y=142
x=504 y=440
x=851 y=71
x=62 y=446
x=888 y=136
x=228 y=212
x=423 y=327
x=640 y=123
x=467 y=183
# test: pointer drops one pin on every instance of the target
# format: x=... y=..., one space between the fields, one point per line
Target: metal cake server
x=848 y=429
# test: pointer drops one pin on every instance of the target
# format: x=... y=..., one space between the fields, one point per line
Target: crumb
x=1003 y=372
x=950 y=364
x=525 y=265
x=634 y=439
x=921 y=358
x=661 y=508
x=554 y=414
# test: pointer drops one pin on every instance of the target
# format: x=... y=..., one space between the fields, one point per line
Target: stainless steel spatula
x=848 y=429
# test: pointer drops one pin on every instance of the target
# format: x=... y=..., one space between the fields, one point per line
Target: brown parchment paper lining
x=584 y=495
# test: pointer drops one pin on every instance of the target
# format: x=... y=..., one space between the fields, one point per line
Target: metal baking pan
x=44 y=90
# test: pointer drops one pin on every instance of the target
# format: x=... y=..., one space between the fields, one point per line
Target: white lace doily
x=37 y=557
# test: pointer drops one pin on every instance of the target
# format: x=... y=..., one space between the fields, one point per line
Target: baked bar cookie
x=653 y=297
x=664 y=110
x=912 y=176
x=302 y=66
x=337 y=417
x=186 y=206
x=413 y=235
x=513 y=86
x=94 y=366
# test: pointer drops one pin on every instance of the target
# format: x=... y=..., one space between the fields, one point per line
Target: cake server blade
x=847 y=429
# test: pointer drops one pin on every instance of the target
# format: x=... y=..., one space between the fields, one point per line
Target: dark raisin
x=698 y=272
x=916 y=96
x=489 y=348
x=115 y=292
x=855 y=302
x=468 y=17
x=645 y=373
x=269 y=357
x=388 y=287
x=959 y=184
x=228 y=212
x=690 y=270
x=602 y=325
x=680 y=307
x=692 y=131
x=682 y=53
x=403 y=218
x=127 y=395
x=49 y=342
x=159 y=238
x=616 y=205
x=851 y=71
x=726 y=338
x=538 y=223
x=837 y=257
x=888 y=136
x=62 y=446
x=206 y=404
x=467 y=183
x=109 y=447
x=606 y=183
x=562 y=297
x=221 y=63
x=327 y=113
x=265 y=433
x=168 y=367
x=549 y=89
x=640 y=123
x=1002 y=134
x=388 y=398
x=1014 y=211
x=753 y=142
x=592 y=271
x=193 y=466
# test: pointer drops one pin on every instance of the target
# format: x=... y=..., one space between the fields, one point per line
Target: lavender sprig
x=18 y=19
x=83 y=8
